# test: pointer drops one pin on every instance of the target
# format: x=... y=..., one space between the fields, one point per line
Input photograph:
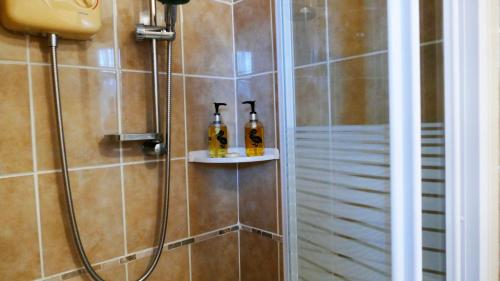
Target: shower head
x=174 y=2
x=171 y=12
x=170 y=17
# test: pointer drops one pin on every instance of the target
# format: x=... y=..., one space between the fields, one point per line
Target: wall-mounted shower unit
x=80 y=20
x=70 y=19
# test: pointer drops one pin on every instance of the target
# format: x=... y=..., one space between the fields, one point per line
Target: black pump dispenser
x=174 y=2
x=253 y=113
x=252 y=104
x=217 y=118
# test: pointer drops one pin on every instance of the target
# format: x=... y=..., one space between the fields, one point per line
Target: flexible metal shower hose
x=67 y=185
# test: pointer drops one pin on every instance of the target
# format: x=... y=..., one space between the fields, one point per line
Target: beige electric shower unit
x=69 y=19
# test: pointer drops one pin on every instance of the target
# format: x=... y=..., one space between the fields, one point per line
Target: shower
x=153 y=143
x=81 y=27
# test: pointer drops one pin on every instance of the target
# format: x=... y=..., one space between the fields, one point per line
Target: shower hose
x=53 y=42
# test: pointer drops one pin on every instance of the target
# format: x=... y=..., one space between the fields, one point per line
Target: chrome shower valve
x=154 y=148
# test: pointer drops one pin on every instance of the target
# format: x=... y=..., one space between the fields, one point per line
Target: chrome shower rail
x=154 y=63
x=53 y=43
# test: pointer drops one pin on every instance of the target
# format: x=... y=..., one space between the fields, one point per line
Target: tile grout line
x=237 y=2
x=15 y=175
x=310 y=65
x=276 y=130
x=86 y=168
x=208 y=76
x=330 y=71
x=224 y=2
x=328 y=67
x=117 y=68
x=186 y=149
x=257 y=74
x=120 y=129
x=13 y=62
x=434 y=42
x=277 y=189
x=239 y=255
x=78 y=66
x=235 y=88
x=34 y=157
x=374 y=53
x=364 y=55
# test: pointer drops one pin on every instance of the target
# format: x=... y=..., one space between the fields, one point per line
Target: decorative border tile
x=263 y=233
x=168 y=247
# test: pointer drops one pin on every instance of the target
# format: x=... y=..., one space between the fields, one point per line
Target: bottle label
x=255 y=139
x=221 y=139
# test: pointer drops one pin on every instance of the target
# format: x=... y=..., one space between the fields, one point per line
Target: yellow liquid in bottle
x=217 y=140
x=254 y=139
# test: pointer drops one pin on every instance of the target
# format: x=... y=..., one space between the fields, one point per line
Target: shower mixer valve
x=154 y=148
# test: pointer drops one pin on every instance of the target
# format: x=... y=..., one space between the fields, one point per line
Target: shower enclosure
x=365 y=175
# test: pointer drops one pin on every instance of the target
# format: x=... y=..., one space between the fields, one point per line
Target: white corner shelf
x=201 y=156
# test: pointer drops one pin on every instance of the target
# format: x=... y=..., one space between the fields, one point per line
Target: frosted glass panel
x=433 y=161
x=341 y=141
x=340 y=185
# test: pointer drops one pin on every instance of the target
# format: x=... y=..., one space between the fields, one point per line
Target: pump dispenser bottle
x=254 y=133
x=217 y=135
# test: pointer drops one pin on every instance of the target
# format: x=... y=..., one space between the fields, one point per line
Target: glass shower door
x=341 y=140
x=338 y=141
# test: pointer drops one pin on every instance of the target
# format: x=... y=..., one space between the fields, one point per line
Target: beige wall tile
x=259 y=258
x=89 y=112
x=208 y=35
x=97 y=201
x=216 y=259
x=258 y=195
x=360 y=91
x=137 y=112
x=201 y=93
x=136 y=55
x=15 y=141
x=253 y=49
x=311 y=96
x=136 y=102
x=357 y=27
x=431 y=20
x=173 y=266
x=309 y=32
x=212 y=197
x=19 y=255
x=432 y=71
x=260 y=89
x=143 y=204
x=99 y=51
x=12 y=45
x=133 y=54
